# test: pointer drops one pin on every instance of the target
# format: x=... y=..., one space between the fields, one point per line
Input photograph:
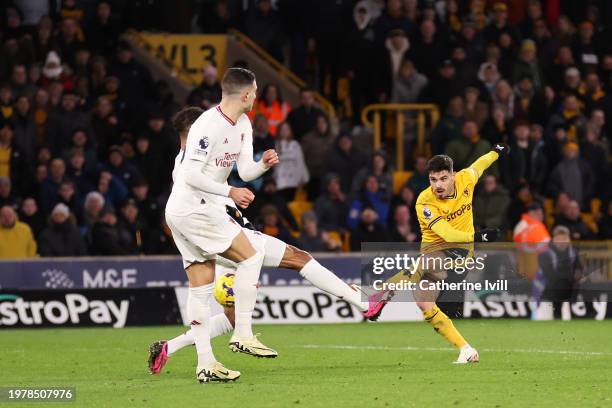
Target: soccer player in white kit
x=195 y=213
x=276 y=254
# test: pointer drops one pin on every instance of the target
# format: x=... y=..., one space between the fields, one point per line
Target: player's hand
x=241 y=196
x=270 y=158
x=501 y=148
x=486 y=235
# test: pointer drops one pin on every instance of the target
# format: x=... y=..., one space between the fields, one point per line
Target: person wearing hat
x=499 y=24
x=16 y=237
x=572 y=175
x=61 y=237
x=527 y=64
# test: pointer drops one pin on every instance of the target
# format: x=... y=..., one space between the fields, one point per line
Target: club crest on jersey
x=466 y=192
x=426 y=213
x=242 y=137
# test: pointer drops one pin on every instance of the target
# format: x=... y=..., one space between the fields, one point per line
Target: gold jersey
x=456 y=210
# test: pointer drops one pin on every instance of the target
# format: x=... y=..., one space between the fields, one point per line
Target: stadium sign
x=113 y=308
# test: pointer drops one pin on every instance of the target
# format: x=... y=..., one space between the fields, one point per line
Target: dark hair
x=439 y=163
x=264 y=92
x=184 y=118
x=235 y=79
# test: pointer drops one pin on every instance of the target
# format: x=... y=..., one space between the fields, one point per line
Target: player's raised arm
x=486 y=160
x=248 y=169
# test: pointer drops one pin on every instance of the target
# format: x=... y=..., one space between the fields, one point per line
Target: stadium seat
x=589 y=220
x=596 y=208
x=298 y=208
x=301 y=195
x=549 y=212
x=399 y=179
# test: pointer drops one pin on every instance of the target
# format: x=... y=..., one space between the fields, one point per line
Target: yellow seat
x=589 y=220
x=595 y=207
x=399 y=179
x=298 y=208
x=301 y=195
x=549 y=212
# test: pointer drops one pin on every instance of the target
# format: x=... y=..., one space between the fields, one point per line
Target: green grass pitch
x=523 y=363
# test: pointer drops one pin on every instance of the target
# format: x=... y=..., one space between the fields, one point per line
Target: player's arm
x=197 y=155
x=249 y=169
x=486 y=160
x=450 y=234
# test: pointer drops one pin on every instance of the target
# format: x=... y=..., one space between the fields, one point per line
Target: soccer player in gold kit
x=446 y=219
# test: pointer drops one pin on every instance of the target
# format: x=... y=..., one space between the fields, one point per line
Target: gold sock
x=443 y=325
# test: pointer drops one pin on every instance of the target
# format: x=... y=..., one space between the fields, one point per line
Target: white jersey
x=217 y=143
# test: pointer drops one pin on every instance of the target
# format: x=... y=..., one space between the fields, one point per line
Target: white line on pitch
x=411 y=348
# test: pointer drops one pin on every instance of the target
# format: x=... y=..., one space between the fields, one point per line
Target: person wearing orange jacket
x=533 y=238
x=272 y=106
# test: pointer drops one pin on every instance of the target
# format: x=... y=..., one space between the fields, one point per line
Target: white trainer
x=216 y=372
x=251 y=346
x=467 y=354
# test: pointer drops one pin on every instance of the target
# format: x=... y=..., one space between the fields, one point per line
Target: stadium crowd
x=87 y=144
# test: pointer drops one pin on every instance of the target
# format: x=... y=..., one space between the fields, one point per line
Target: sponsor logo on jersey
x=464 y=209
x=426 y=213
x=227 y=160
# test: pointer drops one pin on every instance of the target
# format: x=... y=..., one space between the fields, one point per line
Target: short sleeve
x=428 y=215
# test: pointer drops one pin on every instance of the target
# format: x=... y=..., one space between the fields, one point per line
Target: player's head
x=441 y=175
x=184 y=118
x=239 y=86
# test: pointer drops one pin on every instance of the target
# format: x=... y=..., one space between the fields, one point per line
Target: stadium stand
x=86 y=145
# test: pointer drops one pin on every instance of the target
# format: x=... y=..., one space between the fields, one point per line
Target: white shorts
x=272 y=248
x=201 y=236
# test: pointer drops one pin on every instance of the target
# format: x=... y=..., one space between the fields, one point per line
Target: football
x=224 y=293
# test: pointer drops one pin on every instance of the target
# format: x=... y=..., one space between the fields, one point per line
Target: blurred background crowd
x=87 y=146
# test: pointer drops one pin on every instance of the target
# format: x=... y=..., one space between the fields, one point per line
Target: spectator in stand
x=64 y=122
x=268 y=196
x=368 y=230
x=488 y=75
x=429 y=47
x=16 y=236
x=61 y=237
x=216 y=18
x=106 y=237
x=370 y=196
x=132 y=232
x=316 y=145
x=538 y=161
x=6 y=198
x=103 y=32
x=491 y=203
x=475 y=109
x=466 y=149
x=531 y=228
x=449 y=127
x=391 y=57
x=105 y=126
x=499 y=25
x=92 y=207
x=402 y=229
x=605 y=224
x=12 y=161
x=572 y=175
x=25 y=129
x=312 y=239
x=571 y=118
x=291 y=173
x=19 y=82
x=593 y=152
x=331 y=207
x=572 y=220
x=443 y=87
x=30 y=215
x=345 y=160
x=208 y=93
x=50 y=187
x=503 y=98
x=380 y=168
x=303 y=118
x=527 y=65
x=270 y=223
x=54 y=72
x=272 y=106
x=120 y=168
x=262 y=139
x=264 y=26
x=393 y=18
x=67 y=196
x=419 y=180
x=408 y=84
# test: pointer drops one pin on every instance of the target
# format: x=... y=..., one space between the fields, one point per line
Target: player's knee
x=295 y=258
x=424 y=305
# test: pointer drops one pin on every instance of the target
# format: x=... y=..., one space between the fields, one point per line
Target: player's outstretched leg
x=160 y=351
x=324 y=279
x=445 y=327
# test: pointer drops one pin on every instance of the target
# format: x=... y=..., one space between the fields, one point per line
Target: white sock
x=219 y=324
x=245 y=294
x=198 y=312
x=181 y=341
x=326 y=280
